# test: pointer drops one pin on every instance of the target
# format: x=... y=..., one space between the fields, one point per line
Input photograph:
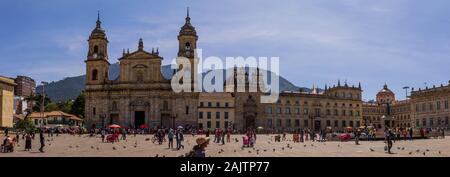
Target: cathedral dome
x=385 y=95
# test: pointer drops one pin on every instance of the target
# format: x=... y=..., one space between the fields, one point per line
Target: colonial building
x=430 y=106
x=337 y=107
x=216 y=110
x=54 y=118
x=141 y=95
x=6 y=102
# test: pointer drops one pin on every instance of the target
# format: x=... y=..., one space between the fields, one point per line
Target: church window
x=96 y=49
x=93 y=111
x=139 y=76
x=187 y=109
x=94 y=74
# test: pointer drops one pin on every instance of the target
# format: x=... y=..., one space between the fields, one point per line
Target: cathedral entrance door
x=139 y=118
x=250 y=122
x=113 y=119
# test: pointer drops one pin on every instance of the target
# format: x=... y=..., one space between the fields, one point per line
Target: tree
x=65 y=106
x=26 y=125
x=78 y=105
x=37 y=99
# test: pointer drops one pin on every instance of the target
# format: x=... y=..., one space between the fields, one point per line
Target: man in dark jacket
x=42 y=140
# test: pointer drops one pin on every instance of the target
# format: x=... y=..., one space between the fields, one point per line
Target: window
x=94 y=74
x=225 y=115
x=269 y=123
x=297 y=110
x=351 y=112
x=424 y=107
x=288 y=110
x=417 y=108
x=358 y=113
x=200 y=125
x=288 y=122
x=446 y=121
x=209 y=104
x=93 y=110
x=139 y=76
x=269 y=110
x=187 y=109
x=446 y=104
x=95 y=49
x=217 y=124
x=344 y=123
x=226 y=124
x=208 y=115
x=317 y=112
x=200 y=115
x=343 y=113
x=278 y=122
x=328 y=112
x=328 y=123
x=336 y=123
x=217 y=104
x=305 y=111
x=358 y=123
x=226 y=104
x=439 y=121
x=208 y=124
x=335 y=112
x=417 y=123
x=351 y=123
x=165 y=105
x=36 y=122
x=288 y=102
x=114 y=106
x=438 y=105
x=430 y=105
x=424 y=122
x=297 y=123
x=201 y=104
x=278 y=110
x=217 y=115
x=305 y=123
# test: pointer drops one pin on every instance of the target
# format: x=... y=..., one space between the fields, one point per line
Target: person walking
x=6 y=131
x=179 y=138
x=42 y=141
x=103 y=134
x=207 y=133
x=170 y=137
x=228 y=135
x=17 y=137
x=223 y=137
x=389 y=137
x=124 y=134
x=357 y=134
x=301 y=136
x=28 y=142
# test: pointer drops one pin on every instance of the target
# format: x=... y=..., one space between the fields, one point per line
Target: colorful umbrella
x=114 y=126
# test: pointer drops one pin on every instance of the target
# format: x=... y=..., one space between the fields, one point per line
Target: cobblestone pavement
x=84 y=146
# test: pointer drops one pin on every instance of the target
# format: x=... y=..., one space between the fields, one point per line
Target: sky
x=398 y=42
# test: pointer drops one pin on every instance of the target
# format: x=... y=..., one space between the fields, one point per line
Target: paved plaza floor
x=84 y=146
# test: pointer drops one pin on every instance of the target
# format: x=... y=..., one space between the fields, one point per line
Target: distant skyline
x=401 y=42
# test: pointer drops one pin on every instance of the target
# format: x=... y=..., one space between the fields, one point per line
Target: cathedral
x=140 y=96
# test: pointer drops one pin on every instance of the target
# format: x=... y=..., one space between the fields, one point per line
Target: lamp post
x=406 y=91
x=43 y=100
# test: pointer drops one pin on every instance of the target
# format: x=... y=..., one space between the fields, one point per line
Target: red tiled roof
x=38 y=115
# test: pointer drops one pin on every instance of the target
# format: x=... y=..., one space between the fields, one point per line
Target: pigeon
x=398 y=148
x=282 y=148
x=135 y=146
x=92 y=147
x=147 y=139
x=424 y=153
x=156 y=155
x=428 y=150
x=403 y=148
x=124 y=147
x=265 y=150
x=48 y=144
x=164 y=155
x=273 y=149
x=235 y=150
x=371 y=149
x=114 y=148
x=242 y=148
x=70 y=146
x=98 y=149
x=304 y=145
x=417 y=150
x=410 y=153
x=77 y=146
x=219 y=152
x=439 y=152
x=312 y=144
x=339 y=145
x=249 y=151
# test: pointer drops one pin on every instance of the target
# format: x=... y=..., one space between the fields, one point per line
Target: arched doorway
x=250 y=113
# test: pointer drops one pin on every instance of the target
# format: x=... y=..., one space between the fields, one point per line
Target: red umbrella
x=114 y=126
x=143 y=126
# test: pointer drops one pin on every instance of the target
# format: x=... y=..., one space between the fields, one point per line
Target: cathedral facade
x=140 y=96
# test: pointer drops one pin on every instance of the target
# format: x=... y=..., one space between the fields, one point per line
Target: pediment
x=141 y=55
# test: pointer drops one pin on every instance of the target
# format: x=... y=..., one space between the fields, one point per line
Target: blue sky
x=401 y=42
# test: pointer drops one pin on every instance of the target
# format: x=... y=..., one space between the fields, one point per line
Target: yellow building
x=6 y=101
x=216 y=110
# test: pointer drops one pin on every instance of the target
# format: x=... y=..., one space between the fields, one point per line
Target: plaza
x=142 y=146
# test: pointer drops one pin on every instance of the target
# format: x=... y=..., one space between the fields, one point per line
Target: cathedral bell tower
x=97 y=65
x=188 y=43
